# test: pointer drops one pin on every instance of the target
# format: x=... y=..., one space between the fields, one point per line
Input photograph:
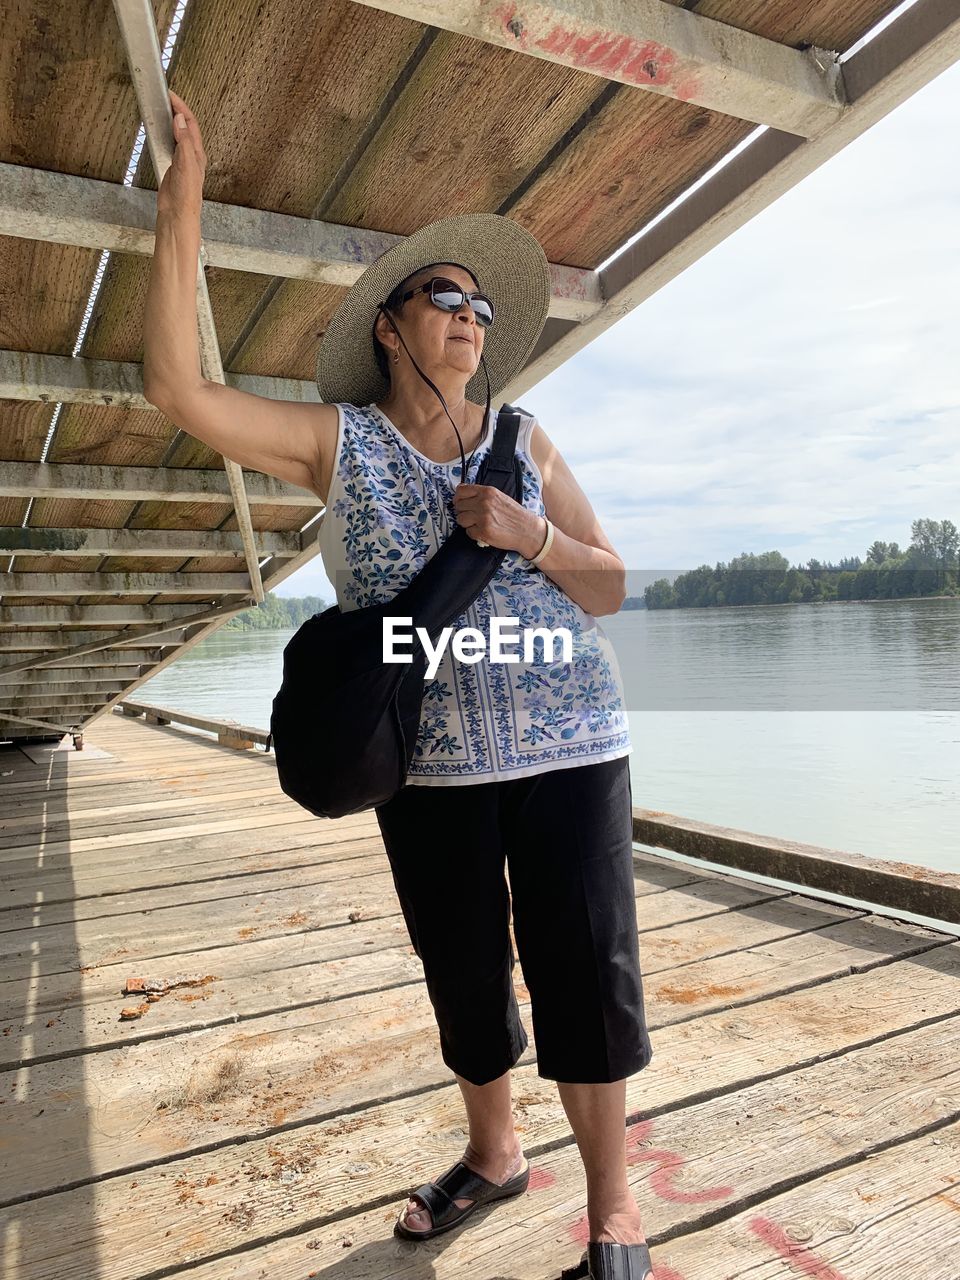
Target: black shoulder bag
x=344 y=722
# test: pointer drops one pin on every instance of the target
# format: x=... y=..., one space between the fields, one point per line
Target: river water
x=834 y=724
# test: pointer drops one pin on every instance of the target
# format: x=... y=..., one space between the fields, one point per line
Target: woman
x=522 y=762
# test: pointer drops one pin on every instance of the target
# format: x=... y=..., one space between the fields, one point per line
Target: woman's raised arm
x=289 y=440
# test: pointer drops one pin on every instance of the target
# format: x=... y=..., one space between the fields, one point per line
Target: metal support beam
x=139 y=32
x=655 y=46
x=59 y=208
x=908 y=54
x=143 y=484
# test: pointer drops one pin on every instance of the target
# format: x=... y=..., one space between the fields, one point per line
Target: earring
x=396 y=357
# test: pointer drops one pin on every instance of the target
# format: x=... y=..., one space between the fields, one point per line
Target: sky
x=796 y=389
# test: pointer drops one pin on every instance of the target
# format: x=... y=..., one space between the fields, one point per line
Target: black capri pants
x=566 y=836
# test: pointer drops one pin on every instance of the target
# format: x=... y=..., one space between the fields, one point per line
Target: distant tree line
x=928 y=567
x=277 y=613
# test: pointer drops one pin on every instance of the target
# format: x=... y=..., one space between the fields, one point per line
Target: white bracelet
x=547 y=542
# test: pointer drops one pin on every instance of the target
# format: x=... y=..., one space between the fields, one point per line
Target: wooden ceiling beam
x=36 y=204
x=173 y=616
x=30 y=643
x=660 y=47
x=143 y=484
x=21 y=725
x=29 y=375
x=58 y=541
x=123 y=584
x=52 y=698
x=62 y=678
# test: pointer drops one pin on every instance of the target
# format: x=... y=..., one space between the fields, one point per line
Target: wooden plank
x=44 y=206
x=187 y=865
x=578 y=172
x=274 y=573
x=84 y=644
x=662 y=48
x=887 y=882
x=81 y=680
x=23 y=641
x=141 y=542
x=25 y=832
x=166 y=715
x=143 y=484
x=683 y=1163
x=82 y=1003
x=121 y=797
x=83 y=775
x=119 y=383
x=41 y=701
x=318 y=899
x=896 y=1213
x=683 y=1168
x=64 y=679
x=22 y=847
x=359 y=854
x=107 y=885
x=19 y=615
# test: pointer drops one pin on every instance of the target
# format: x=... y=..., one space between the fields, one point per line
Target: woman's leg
x=597 y=1115
x=569 y=839
x=494 y=1147
x=443 y=845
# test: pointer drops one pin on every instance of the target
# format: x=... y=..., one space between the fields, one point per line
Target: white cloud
x=798 y=388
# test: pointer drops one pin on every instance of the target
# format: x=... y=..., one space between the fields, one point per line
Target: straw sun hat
x=510 y=267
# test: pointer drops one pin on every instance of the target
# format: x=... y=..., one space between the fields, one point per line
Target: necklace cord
x=463 y=461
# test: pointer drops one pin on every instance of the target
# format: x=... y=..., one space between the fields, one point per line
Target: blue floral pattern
x=389 y=509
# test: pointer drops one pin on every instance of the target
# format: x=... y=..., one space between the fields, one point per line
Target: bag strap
x=455 y=575
x=499 y=462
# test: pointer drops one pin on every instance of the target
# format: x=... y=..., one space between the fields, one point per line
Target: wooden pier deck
x=267 y=1118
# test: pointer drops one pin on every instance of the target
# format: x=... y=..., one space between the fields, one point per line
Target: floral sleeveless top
x=389 y=509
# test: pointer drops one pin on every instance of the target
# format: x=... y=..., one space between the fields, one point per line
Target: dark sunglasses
x=448 y=296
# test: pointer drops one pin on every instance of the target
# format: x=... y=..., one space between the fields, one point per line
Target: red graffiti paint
x=602 y=52
x=799 y=1257
x=668 y=1165
x=540 y=1178
x=579 y=1231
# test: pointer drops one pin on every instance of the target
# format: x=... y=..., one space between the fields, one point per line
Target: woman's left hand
x=491 y=516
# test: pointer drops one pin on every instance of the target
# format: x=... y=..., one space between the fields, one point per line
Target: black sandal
x=610 y=1261
x=458 y=1183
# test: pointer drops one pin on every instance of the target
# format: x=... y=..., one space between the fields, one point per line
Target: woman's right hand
x=181 y=190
